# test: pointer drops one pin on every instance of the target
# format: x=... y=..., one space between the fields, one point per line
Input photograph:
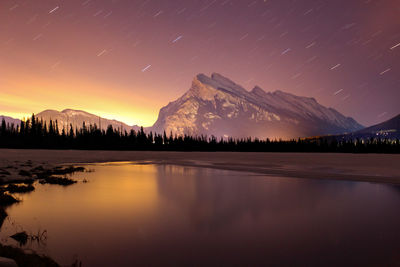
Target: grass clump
x=21 y=238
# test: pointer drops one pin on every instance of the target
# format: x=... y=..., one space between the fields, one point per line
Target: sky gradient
x=125 y=59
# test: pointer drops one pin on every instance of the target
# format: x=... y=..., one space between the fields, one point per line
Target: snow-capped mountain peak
x=218 y=106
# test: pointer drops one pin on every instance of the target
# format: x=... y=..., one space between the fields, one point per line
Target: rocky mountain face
x=76 y=117
x=217 y=106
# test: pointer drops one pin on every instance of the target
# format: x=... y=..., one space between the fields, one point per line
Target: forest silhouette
x=36 y=134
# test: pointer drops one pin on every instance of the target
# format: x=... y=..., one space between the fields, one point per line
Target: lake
x=156 y=215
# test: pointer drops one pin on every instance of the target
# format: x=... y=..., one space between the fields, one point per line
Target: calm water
x=146 y=215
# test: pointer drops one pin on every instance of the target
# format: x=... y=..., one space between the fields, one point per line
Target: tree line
x=36 y=134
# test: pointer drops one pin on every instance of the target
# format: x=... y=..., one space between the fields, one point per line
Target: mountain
x=386 y=129
x=77 y=117
x=10 y=120
x=217 y=106
x=389 y=129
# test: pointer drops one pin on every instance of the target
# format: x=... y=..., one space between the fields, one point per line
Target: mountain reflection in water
x=131 y=214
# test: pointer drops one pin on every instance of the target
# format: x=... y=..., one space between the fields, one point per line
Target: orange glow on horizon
x=22 y=98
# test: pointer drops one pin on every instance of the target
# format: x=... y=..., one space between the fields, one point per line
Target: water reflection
x=152 y=215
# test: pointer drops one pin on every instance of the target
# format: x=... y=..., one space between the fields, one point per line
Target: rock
x=6 y=262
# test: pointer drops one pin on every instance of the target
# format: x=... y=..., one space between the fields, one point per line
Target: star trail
x=125 y=59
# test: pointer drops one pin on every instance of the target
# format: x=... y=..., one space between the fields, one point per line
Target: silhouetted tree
x=33 y=133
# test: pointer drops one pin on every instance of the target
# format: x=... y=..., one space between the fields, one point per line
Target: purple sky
x=126 y=59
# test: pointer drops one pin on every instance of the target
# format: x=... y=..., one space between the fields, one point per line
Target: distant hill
x=217 y=106
x=10 y=120
x=389 y=128
x=76 y=117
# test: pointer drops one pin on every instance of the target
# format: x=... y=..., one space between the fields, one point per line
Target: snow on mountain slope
x=304 y=108
x=217 y=106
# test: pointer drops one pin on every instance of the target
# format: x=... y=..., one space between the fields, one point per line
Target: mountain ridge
x=216 y=105
x=74 y=117
x=390 y=124
x=386 y=129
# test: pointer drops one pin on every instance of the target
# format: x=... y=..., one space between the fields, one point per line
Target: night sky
x=125 y=59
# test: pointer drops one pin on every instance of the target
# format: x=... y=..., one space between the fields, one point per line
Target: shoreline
x=376 y=168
